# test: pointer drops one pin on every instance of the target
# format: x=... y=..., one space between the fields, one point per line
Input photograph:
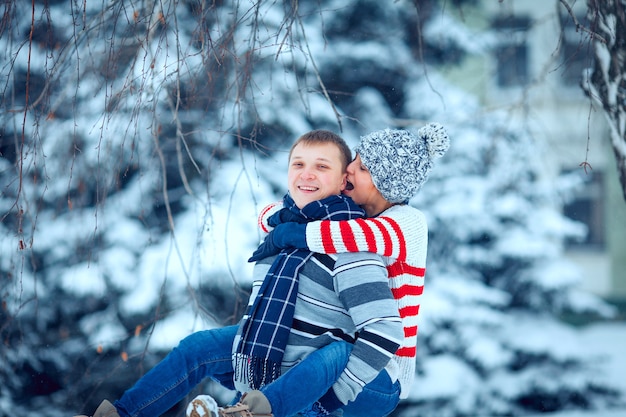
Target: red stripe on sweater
x=261 y=220
x=410 y=331
x=327 y=239
x=370 y=239
x=405 y=290
x=409 y=311
x=387 y=248
x=348 y=237
x=407 y=352
x=398 y=232
x=399 y=268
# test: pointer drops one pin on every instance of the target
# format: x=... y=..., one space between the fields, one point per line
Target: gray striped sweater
x=344 y=296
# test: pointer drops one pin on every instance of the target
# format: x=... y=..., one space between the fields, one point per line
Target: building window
x=588 y=208
x=511 y=52
x=576 y=53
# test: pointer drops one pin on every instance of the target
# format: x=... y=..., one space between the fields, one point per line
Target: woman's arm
x=400 y=232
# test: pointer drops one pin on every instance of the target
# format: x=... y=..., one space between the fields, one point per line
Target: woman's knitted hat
x=400 y=161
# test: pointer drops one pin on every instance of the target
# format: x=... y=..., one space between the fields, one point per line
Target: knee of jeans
x=195 y=343
x=215 y=337
x=342 y=347
x=340 y=350
x=188 y=341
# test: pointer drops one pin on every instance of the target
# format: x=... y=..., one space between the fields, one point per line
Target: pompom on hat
x=400 y=161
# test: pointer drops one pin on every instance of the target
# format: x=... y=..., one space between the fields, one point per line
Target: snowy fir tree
x=139 y=141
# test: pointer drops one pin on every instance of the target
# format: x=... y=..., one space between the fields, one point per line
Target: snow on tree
x=139 y=142
x=491 y=337
x=606 y=83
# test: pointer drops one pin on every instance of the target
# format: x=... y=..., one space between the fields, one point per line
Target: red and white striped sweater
x=400 y=235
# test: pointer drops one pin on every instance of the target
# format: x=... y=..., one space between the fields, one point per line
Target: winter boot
x=252 y=404
x=202 y=406
x=105 y=409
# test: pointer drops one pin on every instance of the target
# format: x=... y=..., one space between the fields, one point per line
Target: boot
x=202 y=406
x=252 y=404
x=105 y=409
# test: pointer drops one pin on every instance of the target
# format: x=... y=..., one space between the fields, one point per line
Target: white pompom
x=436 y=139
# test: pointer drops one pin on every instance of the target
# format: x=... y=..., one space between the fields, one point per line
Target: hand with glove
x=285 y=215
x=284 y=235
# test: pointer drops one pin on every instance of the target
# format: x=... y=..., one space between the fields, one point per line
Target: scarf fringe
x=254 y=371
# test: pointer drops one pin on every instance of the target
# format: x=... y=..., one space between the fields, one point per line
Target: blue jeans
x=378 y=398
x=200 y=355
x=208 y=354
x=302 y=385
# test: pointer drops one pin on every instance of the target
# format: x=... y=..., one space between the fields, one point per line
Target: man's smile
x=307 y=188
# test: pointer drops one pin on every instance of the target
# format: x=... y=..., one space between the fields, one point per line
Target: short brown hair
x=321 y=136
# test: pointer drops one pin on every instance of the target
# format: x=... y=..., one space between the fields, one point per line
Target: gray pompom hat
x=400 y=161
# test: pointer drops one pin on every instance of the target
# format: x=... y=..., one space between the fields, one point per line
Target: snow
x=90 y=282
x=175 y=327
x=103 y=331
x=603 y=413
x=497 y=235
x=458 y=377
x=606 y=342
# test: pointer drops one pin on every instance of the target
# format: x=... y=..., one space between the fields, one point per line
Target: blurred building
x=533 y=67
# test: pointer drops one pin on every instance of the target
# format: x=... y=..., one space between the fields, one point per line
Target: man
x=340 y=298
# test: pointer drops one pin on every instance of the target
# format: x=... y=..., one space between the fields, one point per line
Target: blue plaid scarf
x=264 y=331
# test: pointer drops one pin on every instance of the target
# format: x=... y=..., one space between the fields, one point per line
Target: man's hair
x=320 y=136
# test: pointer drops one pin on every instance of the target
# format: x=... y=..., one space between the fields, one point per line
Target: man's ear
x=344 y=181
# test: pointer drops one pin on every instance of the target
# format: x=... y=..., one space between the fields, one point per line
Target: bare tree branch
x=607 y=83
x=579 y=26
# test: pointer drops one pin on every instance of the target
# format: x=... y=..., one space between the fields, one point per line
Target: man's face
x=315 y=172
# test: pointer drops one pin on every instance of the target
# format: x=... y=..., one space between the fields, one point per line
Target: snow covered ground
x=607 y=341
x=603 y=413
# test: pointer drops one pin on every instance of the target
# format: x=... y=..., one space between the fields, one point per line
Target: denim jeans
x=378 y=398
x=208 y=354
x=200 y=355
x=312 y=377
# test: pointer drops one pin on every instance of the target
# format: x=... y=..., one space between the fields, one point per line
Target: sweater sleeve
x=394 y=233
x=361 y=283
x=266 y=213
